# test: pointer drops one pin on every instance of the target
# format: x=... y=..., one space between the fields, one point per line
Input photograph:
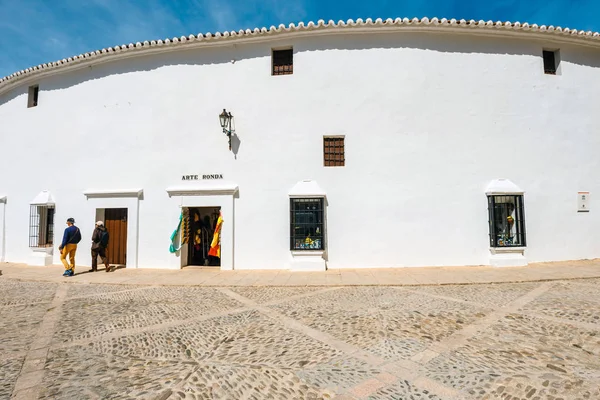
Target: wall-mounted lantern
x=225 y=119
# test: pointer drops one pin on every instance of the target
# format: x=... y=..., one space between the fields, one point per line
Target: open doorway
x=202 y=223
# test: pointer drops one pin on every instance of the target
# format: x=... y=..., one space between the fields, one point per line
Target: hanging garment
x=176 y=237
x=197 y=239
x=185 y=223
x=180 y=235
x=215 y=246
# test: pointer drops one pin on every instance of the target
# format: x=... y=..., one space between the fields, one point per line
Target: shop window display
x=307 y=227
x=506 y=220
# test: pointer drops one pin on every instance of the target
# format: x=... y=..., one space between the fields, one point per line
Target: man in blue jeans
x=68 y=247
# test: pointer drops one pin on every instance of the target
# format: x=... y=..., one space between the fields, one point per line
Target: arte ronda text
x=198 y=177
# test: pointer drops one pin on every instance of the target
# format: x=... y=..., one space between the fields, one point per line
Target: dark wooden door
x=116 y=225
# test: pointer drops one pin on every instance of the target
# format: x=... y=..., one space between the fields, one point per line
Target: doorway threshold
x=202 y=267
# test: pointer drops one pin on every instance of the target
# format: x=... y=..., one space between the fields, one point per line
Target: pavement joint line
x=311 y=332
x=366 y=388
x=323 y=337
x=150 y=328
x=417 y=362
x=416 y=369
x=170 y=324
x=462 y=336
x=31 y=375
x=407 y=370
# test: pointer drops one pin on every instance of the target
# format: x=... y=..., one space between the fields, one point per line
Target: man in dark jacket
x=99 y=244
x=68 y=247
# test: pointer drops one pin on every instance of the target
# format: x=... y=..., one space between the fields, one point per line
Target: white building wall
x=429 y=120
x=2 y=228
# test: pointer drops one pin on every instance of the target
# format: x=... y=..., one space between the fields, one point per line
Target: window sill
x=309 y=252
x=508 y=257
x=47 y=250
x=507 y=250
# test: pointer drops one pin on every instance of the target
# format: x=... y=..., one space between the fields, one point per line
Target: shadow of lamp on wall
x=235 y=144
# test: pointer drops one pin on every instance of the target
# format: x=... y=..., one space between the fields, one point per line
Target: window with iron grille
x=32 y=96
x=506 y=220
x=307 y=224
x=333 y=151
x=41 y=226
x=551 y=60
x=283 y=62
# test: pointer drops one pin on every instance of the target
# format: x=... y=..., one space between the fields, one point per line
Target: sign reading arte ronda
x=198 y=177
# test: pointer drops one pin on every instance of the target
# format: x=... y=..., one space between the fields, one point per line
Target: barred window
x=307 y=227
x=506 y=221
x=334 y=152
x=283 y=62
x=41 y=226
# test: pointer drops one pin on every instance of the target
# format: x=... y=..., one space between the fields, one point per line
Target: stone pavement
x=532 y=340
x=197 y=276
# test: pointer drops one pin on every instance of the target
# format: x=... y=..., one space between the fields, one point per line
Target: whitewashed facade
x=435 y=117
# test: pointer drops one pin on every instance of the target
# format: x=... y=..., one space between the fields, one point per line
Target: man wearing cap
x=99 y=244
x=68 y=247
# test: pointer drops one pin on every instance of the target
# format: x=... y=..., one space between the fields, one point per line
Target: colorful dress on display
x=197 y=239
x=215 y=246
x=181 y=234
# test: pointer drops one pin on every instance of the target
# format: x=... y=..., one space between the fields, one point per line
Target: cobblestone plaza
x=533 y=340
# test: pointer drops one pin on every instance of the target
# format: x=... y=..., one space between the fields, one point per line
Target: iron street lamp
x=225 y=119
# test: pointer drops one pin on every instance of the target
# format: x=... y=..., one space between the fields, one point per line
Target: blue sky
x=37 y=31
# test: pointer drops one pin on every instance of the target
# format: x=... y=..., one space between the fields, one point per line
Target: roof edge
x=435 y=24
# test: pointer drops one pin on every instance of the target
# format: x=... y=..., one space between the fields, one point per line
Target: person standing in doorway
x=99 y=245
x=68 y=247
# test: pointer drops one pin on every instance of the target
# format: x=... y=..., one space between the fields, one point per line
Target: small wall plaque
x=583 y=201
